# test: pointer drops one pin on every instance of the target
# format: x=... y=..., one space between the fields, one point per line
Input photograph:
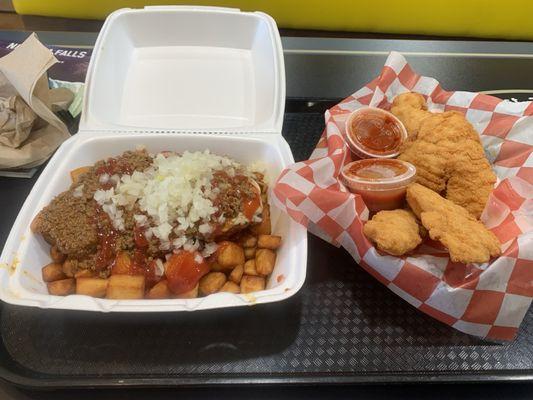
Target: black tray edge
x=43 y=383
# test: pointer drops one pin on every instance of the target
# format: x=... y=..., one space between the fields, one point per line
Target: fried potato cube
x=53 y=272
x=75 y=174
x=56 y=255
x=94 y=287
x=230 y=255
x=191 y=294
x=216 y=267
x=122 y=265
x=212 y=282
x=236 y=273
x=265 y=259
x=248 y=241
x=159 y=291
x=250 y=268
x=62 y=287
x=69 y=268
x=125 y=287
x=230 y=287
x=264 y=227
x=268 y=242
x=249 y=252
x=252 y=284
x=84 y=273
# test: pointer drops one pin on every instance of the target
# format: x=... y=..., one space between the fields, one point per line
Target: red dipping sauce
x=373 y=132
x=380 y=182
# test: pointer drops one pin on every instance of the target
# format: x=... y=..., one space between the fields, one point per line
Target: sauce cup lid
x=383 y=146
x=394 y=174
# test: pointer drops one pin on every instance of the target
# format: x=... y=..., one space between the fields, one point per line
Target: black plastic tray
x=342 y=327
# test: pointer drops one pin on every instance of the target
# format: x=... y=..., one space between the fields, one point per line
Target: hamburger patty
x=68 y=222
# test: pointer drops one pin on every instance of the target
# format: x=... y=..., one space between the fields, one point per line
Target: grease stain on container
x=14 y=264
x=250 y=298
x=31 y=276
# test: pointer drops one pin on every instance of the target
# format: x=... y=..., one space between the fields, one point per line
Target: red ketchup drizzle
x=107 y=236
x=141 y=266
x=113 y=166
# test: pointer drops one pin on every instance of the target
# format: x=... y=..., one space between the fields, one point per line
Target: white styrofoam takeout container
x=170 y=78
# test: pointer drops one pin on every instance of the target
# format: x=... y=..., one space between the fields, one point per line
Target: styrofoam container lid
x=186 y=68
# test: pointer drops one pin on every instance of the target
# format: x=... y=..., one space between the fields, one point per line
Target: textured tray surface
x=341 y=323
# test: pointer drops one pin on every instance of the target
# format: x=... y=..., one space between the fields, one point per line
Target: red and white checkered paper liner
x=488 y=300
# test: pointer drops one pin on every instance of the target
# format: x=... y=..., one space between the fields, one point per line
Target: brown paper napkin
x=23 y=73
x=16 y=121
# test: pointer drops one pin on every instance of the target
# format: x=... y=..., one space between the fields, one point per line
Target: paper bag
x=23 y=74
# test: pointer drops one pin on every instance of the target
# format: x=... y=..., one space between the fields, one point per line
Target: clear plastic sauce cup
x=380 y=182
x=373 y=132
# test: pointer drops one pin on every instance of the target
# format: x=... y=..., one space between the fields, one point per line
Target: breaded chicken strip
x=411 y=109
x=466 y=238
x=448 y=156
x=395 y=232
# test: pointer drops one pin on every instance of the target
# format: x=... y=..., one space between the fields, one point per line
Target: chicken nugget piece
x=466 y=238
x=449 y=158
x=411 y=109
x=395 y=232
x=471 y=183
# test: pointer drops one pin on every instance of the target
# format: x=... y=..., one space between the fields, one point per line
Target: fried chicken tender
x=395 y=232
x=411 y=109
x=447 y=153
x=466 y=238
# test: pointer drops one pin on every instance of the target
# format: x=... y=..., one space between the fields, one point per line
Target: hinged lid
x=186 y=68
